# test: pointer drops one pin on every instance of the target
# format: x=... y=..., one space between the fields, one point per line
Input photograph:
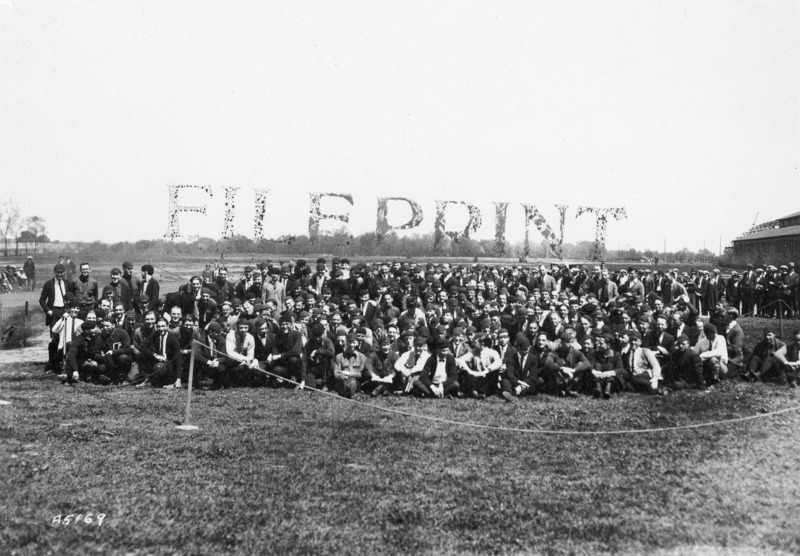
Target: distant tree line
x=342 y=244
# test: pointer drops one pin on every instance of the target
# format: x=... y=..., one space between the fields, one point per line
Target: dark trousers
x=535 y=385
x=115 y=366
x=451 y=388
x=54 y=358
x=486 y=385
x=346 y=387
x=162 y=374
x=637 y=383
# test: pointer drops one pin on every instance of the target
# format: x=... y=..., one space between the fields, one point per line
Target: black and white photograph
x=419 y=277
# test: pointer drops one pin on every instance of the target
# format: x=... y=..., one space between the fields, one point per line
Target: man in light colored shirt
x=240 y=347
x=713 y=351
x=409 y=366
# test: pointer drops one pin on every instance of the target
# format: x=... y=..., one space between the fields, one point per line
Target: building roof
x=790 y=216
x=771 y=233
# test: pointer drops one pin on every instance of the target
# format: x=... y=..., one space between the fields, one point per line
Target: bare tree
x=9 y=222
x=36 y=226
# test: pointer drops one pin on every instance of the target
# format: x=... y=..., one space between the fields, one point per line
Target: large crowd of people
x=424 y=329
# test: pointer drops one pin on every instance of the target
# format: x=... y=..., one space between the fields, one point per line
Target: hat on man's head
x=214 y=326
x=59 y=268
x=128 y=265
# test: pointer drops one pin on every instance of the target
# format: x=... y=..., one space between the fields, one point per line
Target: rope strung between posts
x=515 y=429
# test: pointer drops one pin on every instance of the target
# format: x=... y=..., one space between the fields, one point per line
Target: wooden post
x=187 y=426
x=25 y=327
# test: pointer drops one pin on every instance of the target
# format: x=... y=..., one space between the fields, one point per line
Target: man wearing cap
x=222 y=289
x=121 y=290
x=114 y=346
x=53 y=302
x=793 y=285
x=244 y=285
x=286 y=359
x=319 y=352
x=133 y=281
x=82 y=354
x=686 y=367
x=383 y=361
x=573 y=367
x=29 y=268
x=149 y=288
x=714 y=290
x=607 y=290
x=747 y=289
x=275 y=290
x=350 y=368
x=608 y=368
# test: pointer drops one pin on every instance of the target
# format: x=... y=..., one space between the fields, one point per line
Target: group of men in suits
x=407 y=328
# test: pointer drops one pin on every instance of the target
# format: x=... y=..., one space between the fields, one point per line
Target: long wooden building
x=775 y=240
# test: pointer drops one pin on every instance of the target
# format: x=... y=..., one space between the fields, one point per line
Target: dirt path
x=34 y=352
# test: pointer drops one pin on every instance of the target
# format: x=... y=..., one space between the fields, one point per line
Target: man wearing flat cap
x=793 y=285
x=122 y=292
x=350 y=368
x=128 y=277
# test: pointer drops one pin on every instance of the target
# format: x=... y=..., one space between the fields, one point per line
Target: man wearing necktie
x=66 y=328
x=53 y=303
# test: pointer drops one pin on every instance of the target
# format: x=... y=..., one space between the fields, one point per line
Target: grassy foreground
x=275 y=472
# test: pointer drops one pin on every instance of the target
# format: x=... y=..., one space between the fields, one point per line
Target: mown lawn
x=279 y=471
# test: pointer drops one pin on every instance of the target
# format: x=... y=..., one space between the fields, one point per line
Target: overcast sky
x=684 y=113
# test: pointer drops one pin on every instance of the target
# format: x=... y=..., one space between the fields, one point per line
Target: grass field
x=282 y=472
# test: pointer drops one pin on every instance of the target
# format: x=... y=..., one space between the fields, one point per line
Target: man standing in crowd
x=148 y=286
x=85 y=289
x=29 y=268
x=53 y=302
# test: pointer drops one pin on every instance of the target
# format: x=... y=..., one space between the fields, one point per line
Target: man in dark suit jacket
x=186 y=298
x=53 y=302
x=161 y=357
x=439 y=376
x=148 y=286
x=122 y=292
x=539 y=363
